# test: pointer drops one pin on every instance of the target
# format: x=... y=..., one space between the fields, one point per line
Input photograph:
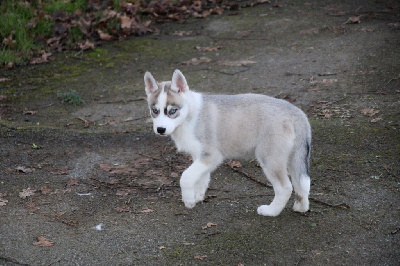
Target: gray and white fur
x=212 y=128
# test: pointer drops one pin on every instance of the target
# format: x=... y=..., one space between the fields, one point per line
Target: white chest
x=186 y=141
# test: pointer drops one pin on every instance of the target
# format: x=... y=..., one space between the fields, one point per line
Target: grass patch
x=71 y=97
x=25 y=25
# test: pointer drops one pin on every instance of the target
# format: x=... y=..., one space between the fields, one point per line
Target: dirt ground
x=67 y=171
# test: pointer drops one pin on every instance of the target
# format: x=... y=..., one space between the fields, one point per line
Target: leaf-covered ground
x=91 y=184
x=32 y=31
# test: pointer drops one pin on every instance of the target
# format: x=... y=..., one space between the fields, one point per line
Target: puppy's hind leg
x=282 y=188
x=299 y=172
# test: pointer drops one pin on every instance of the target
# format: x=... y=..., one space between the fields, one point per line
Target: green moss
x=96 y=53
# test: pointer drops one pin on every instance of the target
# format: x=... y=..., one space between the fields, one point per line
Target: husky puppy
x=212 y=128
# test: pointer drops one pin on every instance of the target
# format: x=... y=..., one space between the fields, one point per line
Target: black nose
x=161 y=130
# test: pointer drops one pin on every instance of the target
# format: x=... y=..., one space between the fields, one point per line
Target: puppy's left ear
x=178 y=83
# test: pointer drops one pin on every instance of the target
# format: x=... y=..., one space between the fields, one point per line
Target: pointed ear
x=150 y=83
x=178 y=83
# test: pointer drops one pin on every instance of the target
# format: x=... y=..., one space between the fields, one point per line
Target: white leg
x=283 y=190
x=302 y=190
x=190 y=181
x=201 y=187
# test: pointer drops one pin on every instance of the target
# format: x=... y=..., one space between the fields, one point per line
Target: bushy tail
x=299 y=168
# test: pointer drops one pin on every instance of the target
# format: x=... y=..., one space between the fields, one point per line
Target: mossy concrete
x=330 y=69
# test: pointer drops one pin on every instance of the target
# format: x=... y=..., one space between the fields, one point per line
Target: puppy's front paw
x=190 y=205
x=268 y=210
x=199 y=197
x=188 y=198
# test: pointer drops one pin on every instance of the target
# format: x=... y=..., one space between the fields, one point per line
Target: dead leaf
x=233 y=163
x=369 y=112
x=27 y=193
x=286 y=97
x=105 y=167
x=182 y=33
x=208 y=225
x=104 y=35
x=45 y=57
x=72 y=182
x=354 y=20
x=310 y=31
x=217 y=10
x=375 y=120
x=24 y=170
x=86 y=45
x=60 y=170
x=29 y=112
x=3 y=80
x=123 y=209
x=10 y=65
x=124 y=191
x=141 y=161
x=126 y=22
x=43 y=242
x=112 y=181
x=236 y=63
x=197 y=61
x=146 y=210
x=200 y=257
x=45 y=189
x=3 y=202
x=32 y=207
x=174 y=175
x=208 y=49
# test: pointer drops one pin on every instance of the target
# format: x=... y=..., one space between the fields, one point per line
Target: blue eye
x=154 y=110
x=172 y=111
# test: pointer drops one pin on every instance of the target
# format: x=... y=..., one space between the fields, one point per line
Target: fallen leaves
x=98 y=21
x=203 y=60
x=29 y=112
x=32 y=207
x=43 y=242
x=45 y=190
x=146 y=211
x=235 y=63
x=208 y=49
x=72 y=182
x=235 y=164
x=200 y=257
x=325 y=109
x=3 y=202
x=354 y=20
x=122 y=209
x=369 y=112
x=208 y=225
x=25 y=170
x=60 y=170
x=375 y=120
x=27 y=193
x=197 y=61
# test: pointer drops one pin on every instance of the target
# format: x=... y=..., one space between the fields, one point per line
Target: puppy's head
x=167 y=102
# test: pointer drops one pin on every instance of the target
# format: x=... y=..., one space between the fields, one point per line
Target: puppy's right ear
x=150 y=83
